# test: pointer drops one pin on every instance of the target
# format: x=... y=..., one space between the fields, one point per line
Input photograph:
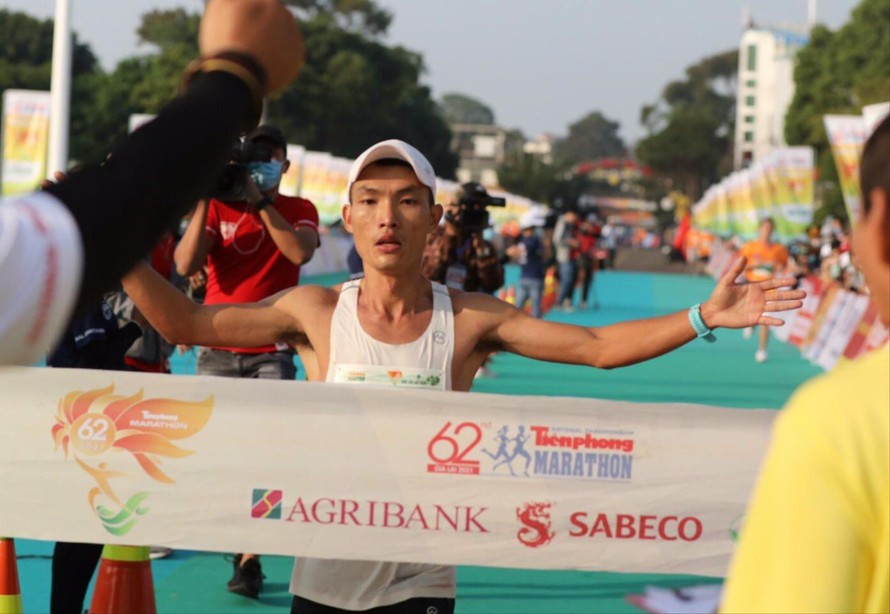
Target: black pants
x=420 y=605
x=73 y=567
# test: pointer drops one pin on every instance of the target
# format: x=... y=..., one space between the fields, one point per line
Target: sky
x=539 y=64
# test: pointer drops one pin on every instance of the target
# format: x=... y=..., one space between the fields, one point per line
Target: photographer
x=253 y=241
x=67 y=245
x=457 y=254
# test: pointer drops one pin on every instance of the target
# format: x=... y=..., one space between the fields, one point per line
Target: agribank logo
x=94 y=423
x=450 y=518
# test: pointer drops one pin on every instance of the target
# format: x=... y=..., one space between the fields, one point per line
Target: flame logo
x=97 y=424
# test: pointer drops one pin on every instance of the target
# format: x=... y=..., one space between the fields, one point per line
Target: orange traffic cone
x=549 y=297
x=10 y=593
x=124 y=582
x=511 y=295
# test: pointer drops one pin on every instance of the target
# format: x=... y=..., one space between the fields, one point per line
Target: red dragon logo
x=536 y=531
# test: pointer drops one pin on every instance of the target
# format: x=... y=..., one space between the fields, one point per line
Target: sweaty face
x=390 y=215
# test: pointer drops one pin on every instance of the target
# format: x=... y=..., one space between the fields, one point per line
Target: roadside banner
x=846 y=134
x=25 y=140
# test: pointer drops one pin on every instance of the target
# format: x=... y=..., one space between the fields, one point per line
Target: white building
x=765 y=89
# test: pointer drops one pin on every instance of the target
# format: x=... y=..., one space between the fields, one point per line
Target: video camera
x=472 y=213
x=232 y=183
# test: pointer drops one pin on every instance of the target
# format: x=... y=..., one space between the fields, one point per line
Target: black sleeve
x=153 y=178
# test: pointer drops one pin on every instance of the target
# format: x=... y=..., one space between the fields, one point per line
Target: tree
x=839 y=72
x=591 y=137
x=691 y=126
x=358 y=16
x=461 y=109
x=354 y=91
x=26 y=63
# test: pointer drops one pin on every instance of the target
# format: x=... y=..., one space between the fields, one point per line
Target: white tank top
x=357 y=358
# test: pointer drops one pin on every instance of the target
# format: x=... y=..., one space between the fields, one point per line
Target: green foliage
x=461 y=109
x=592 y=137
x=691 y=126
x=839 y=72
x=26 y=49
x=525 y=174
x=353 y=90
x=358 y=16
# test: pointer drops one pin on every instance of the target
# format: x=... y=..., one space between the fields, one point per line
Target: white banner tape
x=339 y=471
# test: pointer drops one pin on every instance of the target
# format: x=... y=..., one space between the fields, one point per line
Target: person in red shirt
x=252 y=249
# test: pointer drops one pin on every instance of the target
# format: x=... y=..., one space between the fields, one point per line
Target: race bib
x=401 y=377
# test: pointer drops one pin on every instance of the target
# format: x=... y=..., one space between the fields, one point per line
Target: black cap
x=270 y=133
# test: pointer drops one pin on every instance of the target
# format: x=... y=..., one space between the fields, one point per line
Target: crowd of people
x=817 y=533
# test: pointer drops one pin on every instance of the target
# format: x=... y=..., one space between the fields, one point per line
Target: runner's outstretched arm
x=182 y=321
x=731 y=305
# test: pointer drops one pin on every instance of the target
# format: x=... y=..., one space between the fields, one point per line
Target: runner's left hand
x=739 y=305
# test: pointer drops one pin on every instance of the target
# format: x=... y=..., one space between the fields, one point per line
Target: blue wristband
x=699 y=326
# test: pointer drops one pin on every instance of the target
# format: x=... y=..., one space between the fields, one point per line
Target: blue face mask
x=266 y=175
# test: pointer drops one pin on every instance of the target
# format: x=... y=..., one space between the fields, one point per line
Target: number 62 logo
x=451 y=445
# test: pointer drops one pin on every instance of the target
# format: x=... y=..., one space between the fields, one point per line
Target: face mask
x=266 y=175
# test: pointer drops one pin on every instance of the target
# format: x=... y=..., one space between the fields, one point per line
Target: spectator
x=253 y=249
x=529 y=254
x=565 y=239
x=609 y=242
x=588 y=236
x=150 y=353
x=816 y=537
x=93 y=341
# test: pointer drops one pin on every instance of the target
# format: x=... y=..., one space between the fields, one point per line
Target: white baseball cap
x=399 y=150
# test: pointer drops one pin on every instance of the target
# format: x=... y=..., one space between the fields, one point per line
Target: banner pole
x=60 y=90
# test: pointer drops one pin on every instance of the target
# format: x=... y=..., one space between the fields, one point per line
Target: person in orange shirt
x=765 y=261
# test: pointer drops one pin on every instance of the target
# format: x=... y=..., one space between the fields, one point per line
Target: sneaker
x=159 y=552
x=746 y=334
x=247 y=579
x=760 y=356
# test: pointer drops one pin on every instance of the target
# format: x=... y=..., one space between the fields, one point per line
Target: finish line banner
x=353 y=472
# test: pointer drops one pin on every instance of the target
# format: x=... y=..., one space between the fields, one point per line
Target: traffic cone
x=124 y=583
x=549 y=297
x=511 y=295
x=10 y=593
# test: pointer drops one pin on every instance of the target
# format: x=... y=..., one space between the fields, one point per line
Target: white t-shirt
x=41 y=264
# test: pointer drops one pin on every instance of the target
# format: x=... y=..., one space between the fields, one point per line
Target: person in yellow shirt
x=817 y=533
x=765 y=261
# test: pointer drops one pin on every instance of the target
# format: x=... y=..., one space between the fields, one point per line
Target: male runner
x=766 y=260
x=395 y=318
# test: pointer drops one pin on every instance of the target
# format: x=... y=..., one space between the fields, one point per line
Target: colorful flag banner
x=25 y=140
x=846 y=135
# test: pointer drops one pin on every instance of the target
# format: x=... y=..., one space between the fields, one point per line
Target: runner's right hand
x=263 y=29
